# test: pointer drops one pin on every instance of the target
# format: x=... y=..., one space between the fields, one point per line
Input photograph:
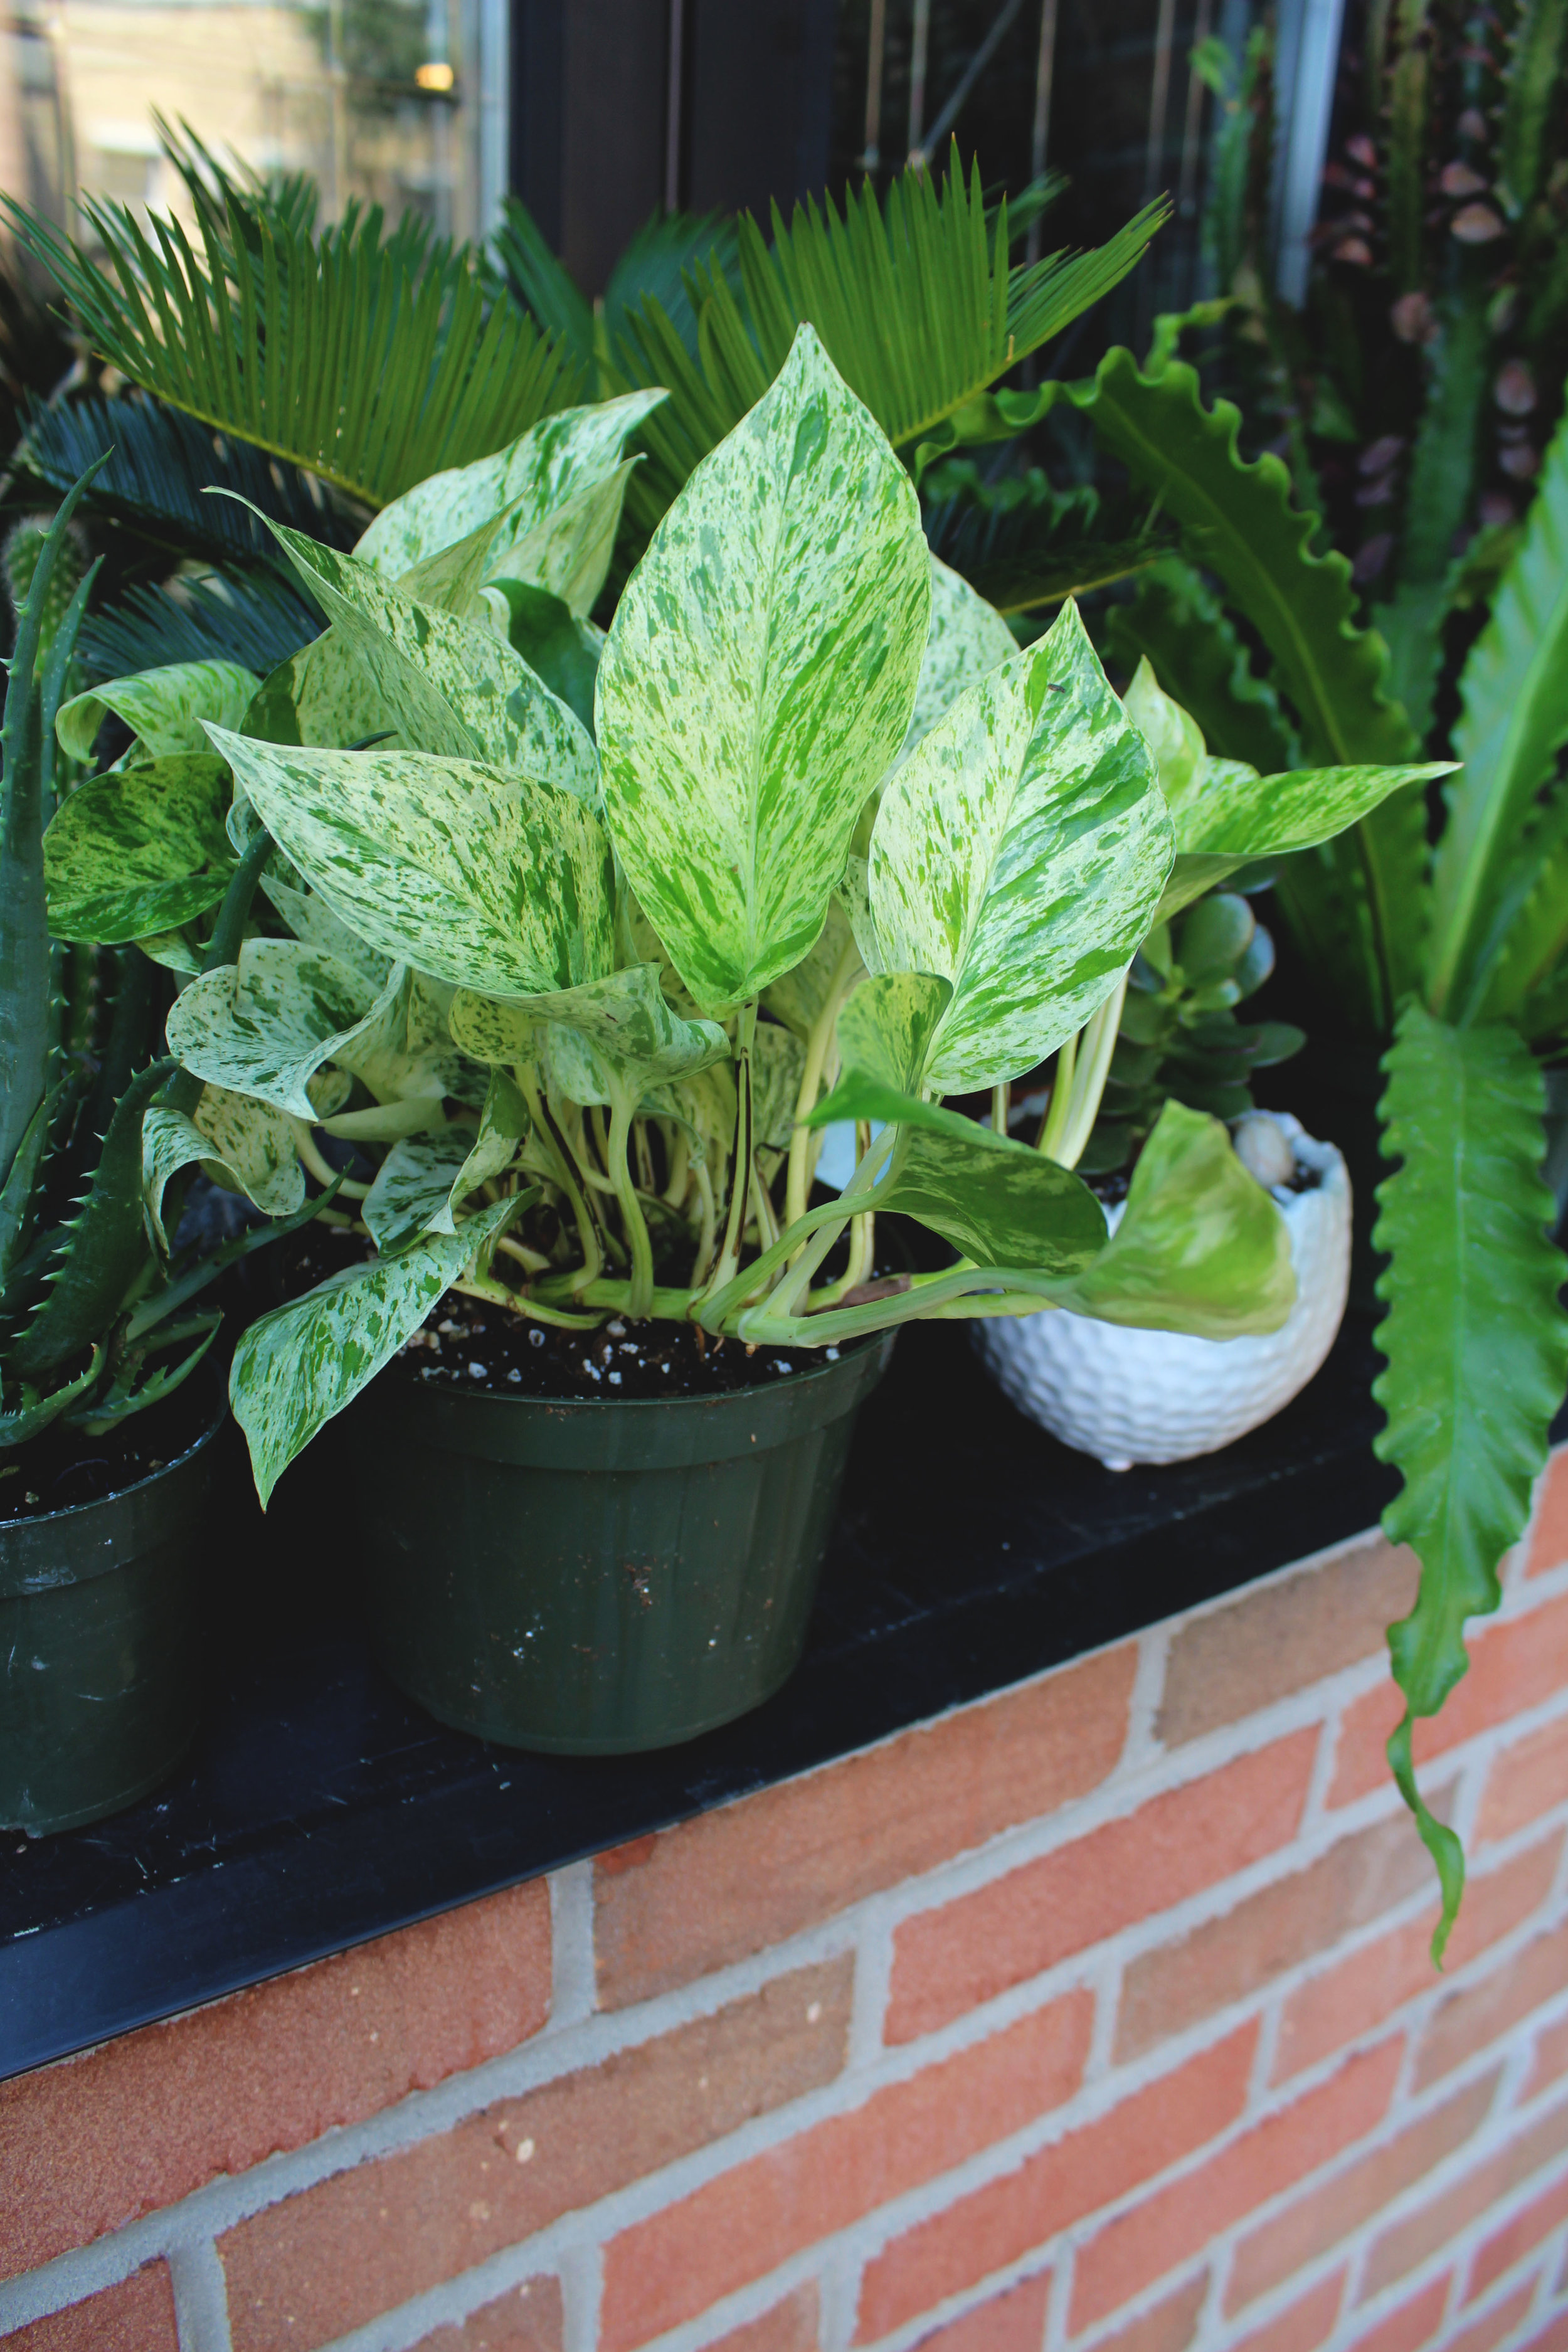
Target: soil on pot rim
x=65 y=1468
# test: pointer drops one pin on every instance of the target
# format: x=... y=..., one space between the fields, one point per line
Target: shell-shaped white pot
x=1130 y=1395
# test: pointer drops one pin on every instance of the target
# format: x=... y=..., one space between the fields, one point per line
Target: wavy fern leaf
x=1181 y=626
x=1477 y=1349
x=372 y=361
x=1512 y=723
x=1238 y=521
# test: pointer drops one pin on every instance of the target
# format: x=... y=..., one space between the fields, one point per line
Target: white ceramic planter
x=1133 y=1396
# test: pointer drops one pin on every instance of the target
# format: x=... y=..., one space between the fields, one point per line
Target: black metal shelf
x=319 y=1808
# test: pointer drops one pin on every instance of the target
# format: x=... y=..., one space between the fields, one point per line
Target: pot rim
x=119 y=1493
x=409 y=1376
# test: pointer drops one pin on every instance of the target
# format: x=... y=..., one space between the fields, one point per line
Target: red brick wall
x=1095 y=2016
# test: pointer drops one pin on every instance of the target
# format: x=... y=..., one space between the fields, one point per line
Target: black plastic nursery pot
x=101 y=1668
x=594 y=1578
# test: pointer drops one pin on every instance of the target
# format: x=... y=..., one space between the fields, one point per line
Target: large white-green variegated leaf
x=497 y=885
x=799 y=995
x=993 y=1200
x=758 y=678
x=297 y=1367
x=568 y=552
x=778 y=1065
x=265 y=1025
x=1227 y=815
x=311 y=920
x=162 y=708
x=502 y=1132
x=1201 y=1246
x=547 y=470
x=622 y=1020
x=413 y=1185
x=139 y=850
x=967 y=639
x=461 y=689
x=329 y=696
x=886 y=1028
x=244 y=1146
x=1019 y=852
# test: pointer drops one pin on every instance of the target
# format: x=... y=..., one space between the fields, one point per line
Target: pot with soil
x=1134 y=1395
x=102 y=1553
x=559 y=1564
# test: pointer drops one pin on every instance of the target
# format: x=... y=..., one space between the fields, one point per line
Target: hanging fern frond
x=162 y=464
x=912 y=295
x=370 y=359
x=251 y=617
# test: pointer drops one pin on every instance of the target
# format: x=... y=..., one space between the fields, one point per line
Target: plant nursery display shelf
x=319 y=1808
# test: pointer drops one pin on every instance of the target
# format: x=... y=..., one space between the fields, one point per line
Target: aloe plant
x=582 y=1002
x=95 y=1324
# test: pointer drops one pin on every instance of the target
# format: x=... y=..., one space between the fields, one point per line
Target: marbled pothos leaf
x=622 y=1020
x=1020 y=852
x=967 y=640
x=164 y=708
x=461 y=689
x=1226 y=814
x=243 y=1145
x=547 y=470
x=491 y=884
x=758 y=677
x=778 y=1065
x=798 y=996
x=266 y=1025
x=140 y=851
x=297 y=1367
x=886 y=1028
x=994 y=1201
x=424 y=1180
x=1201 y=1246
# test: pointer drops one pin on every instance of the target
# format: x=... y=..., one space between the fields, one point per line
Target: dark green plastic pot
x=100 y=1634
x=592 y=1579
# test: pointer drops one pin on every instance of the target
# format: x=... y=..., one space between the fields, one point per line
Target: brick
x=1236 y=1660
x=949 y=1960
x=1513 y=1665
x=137 y=2315
x=747 y=1875
x=140 y=2122
x=1436 y=2224
x=1317 y=2221
x=1170 y=2326
x=1365 y=1990
x=747 y=2220
x=1549 y=1536
x=789 y=2327
x=1177 y=2221
x=1497 y=2324
x=1518 y=2238
x=1476 y=2015
x=1303 y=2324
x=1525 y=1780
x=1415 y=2322
x=1014 y=2322
x=1551 y=2061
x=528 y=2319
x=1172 y=1986
x=1055 y=2187
x=314 y=2265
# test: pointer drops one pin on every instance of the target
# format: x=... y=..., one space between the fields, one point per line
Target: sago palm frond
x=251 y=617
x=370 y=359
x=913 y=297
x=160 y=465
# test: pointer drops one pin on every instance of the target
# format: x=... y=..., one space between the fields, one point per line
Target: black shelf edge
x=321 y=1809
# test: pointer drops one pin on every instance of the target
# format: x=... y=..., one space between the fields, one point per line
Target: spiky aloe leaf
x=1477 y=1349
x=103 y=1248
x=25 y=1028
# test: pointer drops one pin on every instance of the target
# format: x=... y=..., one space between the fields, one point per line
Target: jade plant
x=582 y=1003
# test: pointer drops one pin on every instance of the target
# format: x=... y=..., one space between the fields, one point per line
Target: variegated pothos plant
x=832 y=849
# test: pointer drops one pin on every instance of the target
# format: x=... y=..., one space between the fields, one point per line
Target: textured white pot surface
x=1133 y=1396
